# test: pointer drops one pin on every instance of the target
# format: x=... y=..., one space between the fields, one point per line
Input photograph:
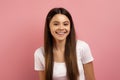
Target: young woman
x=63 y=57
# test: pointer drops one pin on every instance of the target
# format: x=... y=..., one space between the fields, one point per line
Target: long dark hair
x=70 y=47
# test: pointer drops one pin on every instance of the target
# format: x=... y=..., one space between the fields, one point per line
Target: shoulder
x=84 y=51
x=39 y=62
x=81 y=44
x=39 y=51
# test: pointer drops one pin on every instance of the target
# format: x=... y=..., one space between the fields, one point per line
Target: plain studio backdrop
x=21 y=32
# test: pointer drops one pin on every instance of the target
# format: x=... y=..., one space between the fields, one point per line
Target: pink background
x=21 y=32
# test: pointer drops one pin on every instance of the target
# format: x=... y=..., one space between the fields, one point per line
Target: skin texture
x=41 y=75
x=89 y=71
x=60 y=28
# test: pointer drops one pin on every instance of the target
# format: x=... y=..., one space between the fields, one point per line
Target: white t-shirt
x=59 y=70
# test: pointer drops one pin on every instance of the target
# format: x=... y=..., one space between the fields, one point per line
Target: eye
x=55 y=24
x=66 y=24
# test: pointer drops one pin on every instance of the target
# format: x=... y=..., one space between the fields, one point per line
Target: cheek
x=68 y=29
x=52 y=30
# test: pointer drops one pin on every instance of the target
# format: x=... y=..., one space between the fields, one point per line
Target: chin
x=61 y=39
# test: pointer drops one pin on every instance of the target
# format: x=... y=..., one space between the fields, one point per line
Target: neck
x=60 y=45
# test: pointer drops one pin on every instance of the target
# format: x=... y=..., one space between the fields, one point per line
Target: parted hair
x=70 y=47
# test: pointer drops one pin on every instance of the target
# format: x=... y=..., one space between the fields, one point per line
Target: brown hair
x=70 y=47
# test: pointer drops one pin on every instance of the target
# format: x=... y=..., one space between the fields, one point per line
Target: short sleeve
x=86 y=55
x=39 y=60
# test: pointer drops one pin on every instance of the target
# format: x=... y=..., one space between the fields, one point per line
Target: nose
x=61 y=27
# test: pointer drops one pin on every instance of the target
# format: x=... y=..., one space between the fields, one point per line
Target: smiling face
x=59 y=27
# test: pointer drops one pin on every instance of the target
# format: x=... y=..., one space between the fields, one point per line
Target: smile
x=61 y=33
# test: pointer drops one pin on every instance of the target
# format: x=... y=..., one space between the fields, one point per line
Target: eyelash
x=65 y=24
x=58 y=24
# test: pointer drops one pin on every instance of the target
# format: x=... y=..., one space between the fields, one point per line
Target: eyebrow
x=63 y=21
x=66 y=21
x=55 y=21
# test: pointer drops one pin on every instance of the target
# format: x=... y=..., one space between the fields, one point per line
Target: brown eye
x=65 y=24
x=55 y=24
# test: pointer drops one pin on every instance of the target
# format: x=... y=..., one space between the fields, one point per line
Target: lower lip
x=61 y=34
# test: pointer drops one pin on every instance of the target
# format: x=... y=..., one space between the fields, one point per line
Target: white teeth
x=60 y=33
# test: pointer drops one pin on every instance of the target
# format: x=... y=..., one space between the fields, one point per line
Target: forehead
x=60 y=17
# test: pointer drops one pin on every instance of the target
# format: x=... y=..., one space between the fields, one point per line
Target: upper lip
x=61 y=32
